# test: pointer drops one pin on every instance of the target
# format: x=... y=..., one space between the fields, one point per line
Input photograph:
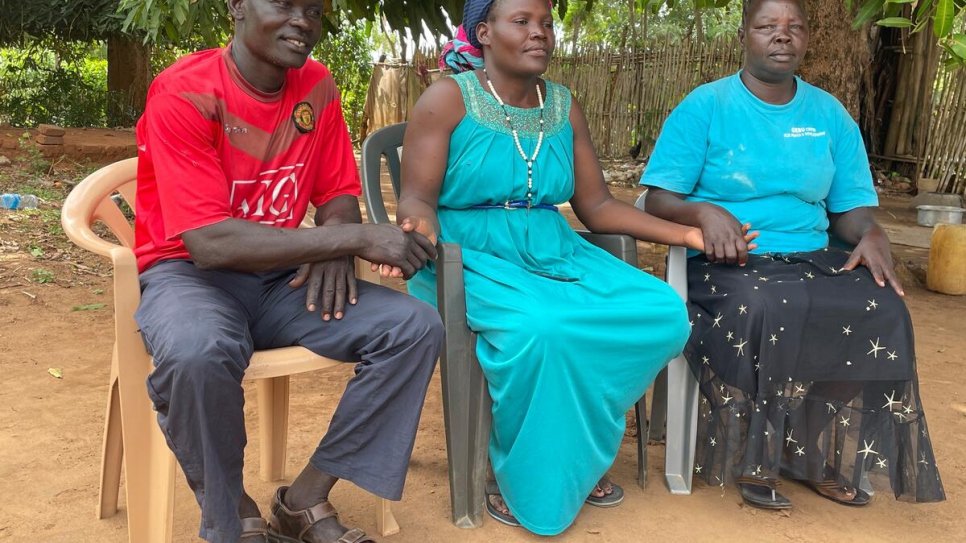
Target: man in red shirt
x=233 y=146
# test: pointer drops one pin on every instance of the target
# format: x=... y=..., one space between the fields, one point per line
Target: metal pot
x=933 y=215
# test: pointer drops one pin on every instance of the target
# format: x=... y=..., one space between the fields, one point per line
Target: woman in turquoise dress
x=569 y=337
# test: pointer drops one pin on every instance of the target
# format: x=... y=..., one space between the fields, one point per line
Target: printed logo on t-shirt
x=270 y=199
x=304 y=117
x=805 y=132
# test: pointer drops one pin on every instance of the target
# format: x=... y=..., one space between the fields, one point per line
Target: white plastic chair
x=132 y=438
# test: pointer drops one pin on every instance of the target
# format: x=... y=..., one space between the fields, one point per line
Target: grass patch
x=51 y=221
x=88 y=307
x=42 y=276
x=44 y=193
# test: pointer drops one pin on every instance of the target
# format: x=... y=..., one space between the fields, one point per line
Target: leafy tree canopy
x=178 y=21
x=69 y=20
x=209 y=18
x=948 y=17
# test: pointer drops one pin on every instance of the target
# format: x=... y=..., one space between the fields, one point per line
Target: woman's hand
x=419 y=225
x=694 y=238
x=422 y=225
x=874 y=253
x=726 y=241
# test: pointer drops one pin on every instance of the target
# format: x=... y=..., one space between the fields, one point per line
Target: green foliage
x=176 y=20
x=945 y=15
x=68 y=20
x=88 y=307
x=50 y=218
x=33 y=160
x=348 y=55
x=57 y=83
x=605 y=22
x=42 y=276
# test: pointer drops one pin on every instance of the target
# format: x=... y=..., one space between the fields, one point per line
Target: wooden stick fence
x=627 y=96
x=944 y=158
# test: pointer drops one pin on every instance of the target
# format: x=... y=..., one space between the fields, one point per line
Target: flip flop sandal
x=861 y=497
x=254 y=526
x=287 y=526
x=615 y=498
x=822 y=489
x=761 y=492
x=492 y=489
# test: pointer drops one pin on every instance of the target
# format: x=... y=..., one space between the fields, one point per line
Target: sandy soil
x=51 y=429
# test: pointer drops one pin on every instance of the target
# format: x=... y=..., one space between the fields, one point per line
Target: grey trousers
x=201 y=327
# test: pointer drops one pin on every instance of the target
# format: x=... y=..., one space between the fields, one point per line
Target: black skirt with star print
x=808 y=372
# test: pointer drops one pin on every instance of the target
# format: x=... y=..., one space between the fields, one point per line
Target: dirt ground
x=56 y=317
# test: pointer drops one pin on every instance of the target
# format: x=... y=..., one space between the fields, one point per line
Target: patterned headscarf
x=465 y=52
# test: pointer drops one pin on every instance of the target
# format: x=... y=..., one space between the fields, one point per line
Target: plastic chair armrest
x=621 y=246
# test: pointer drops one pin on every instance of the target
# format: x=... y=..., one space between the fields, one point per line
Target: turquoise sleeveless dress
x=569 y=337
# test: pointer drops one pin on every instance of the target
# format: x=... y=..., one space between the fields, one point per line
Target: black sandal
x=761 y=492
x=492 y=489
x=615 y=498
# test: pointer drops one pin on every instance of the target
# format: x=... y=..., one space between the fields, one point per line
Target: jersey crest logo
x=304 y=117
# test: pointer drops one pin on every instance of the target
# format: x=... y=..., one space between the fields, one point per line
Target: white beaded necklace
x=516 y=137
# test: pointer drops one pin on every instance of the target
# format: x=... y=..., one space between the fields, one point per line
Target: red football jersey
x=211 y=147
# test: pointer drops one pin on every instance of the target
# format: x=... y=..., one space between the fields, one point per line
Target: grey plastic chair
x=466 y=401
x=682 y=397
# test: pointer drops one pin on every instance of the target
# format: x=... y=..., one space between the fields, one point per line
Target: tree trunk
x=837 y=55
x=698 y=26
x=644 y=24
x=633 y=23
x=128 y=78
x=911 y=105
x=576 y=33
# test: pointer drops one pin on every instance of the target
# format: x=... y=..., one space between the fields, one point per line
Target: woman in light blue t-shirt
x=804 y=353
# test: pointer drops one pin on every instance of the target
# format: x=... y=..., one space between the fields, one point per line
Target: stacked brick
x=51 y=138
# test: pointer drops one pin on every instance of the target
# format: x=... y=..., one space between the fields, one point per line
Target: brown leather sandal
x=830 y=489
x=287 y=526
x=254 y=526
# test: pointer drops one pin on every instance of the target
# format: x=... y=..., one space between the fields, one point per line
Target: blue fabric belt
x=516 y=204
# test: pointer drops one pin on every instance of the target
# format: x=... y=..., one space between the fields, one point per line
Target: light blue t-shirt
x=781 y=168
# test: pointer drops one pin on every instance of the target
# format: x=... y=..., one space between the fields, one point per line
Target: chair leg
x=386 y=523
x=112 y=454
x=467 y=413
x=641 y=416
x=149 y=469
x=273 y=426
x=658 y=419
x=466 y=399
x=682 y=425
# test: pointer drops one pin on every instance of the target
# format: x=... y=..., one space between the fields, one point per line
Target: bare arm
x=241 y=245
x=859 y=227
x=597 y=209
x=425 y=152
x=726 y=240
x=339 y=210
